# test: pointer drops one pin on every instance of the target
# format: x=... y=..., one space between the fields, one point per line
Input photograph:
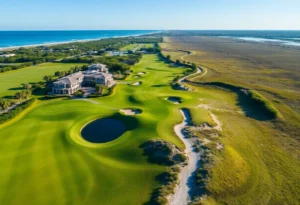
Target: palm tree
x=99 y=88
x=27 y=94
x=57 y=74
x=18 y=95
x=48 y=78
x=27 y=86
x=4 y=104
x=23 y=95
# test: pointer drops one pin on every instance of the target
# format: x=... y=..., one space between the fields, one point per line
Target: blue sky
x=150 y=14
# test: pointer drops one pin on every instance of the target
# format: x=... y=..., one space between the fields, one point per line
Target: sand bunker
x=141 y=73
x=131 y=111
x=175 y=100
x=136 y=83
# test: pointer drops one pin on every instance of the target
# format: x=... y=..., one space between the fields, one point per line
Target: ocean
x=28 y=38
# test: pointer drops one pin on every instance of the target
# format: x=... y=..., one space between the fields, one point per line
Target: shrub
x=79 y=93
x=158 y=152
x=16 y=111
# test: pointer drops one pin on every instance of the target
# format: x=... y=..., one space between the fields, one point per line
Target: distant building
x=116 y=53
x=69 y=84
x=98 y=67
x=96 y=77
x=7 y=55
x=97 y=74
x=92 y=52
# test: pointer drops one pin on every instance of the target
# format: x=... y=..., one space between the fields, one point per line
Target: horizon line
x=151 y=30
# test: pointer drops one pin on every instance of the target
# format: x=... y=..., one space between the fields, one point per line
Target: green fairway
x=11 y=82
x=44 y=154
x=44 y=160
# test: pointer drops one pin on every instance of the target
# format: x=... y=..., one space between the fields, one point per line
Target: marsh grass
x=260 y=163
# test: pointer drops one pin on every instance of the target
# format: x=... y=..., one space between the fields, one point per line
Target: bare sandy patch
x=217 y=121
x=136 y=83
x=205 y=141
x=131 y=111
x=206 y=126
x=220 y=146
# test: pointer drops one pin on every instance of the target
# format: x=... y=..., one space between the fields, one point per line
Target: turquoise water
x=26 y=38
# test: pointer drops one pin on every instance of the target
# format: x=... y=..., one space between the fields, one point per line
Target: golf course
x=45 y=159
x=11 y=82
x=44 y=153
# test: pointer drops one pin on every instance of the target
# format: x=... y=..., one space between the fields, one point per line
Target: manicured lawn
x=44 y=160
x=11 y=82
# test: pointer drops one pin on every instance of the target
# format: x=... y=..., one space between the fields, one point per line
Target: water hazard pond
x=103 y=130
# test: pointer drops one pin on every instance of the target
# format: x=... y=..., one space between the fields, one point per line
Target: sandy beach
x=67 y=42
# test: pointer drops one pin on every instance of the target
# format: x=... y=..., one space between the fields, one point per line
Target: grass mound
x=254 y=104
x=163 y=153
x=262 y=102
x=229 y=175
x=168 y=181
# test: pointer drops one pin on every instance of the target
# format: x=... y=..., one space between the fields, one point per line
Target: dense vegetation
x=16 y=111
x=115 y=64
x=9 y=67
x=42 y=54
x=167 y=183
x=164 y=153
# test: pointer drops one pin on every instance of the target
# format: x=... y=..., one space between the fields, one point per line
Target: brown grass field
x=260 y=161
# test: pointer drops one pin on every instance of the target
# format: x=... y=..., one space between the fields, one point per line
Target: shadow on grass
x=17 y=88
x=9 y=97
x=160 y=85
x=134 y=100
x=251 y=108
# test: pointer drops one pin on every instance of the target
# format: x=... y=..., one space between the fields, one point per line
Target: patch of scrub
x=103 y=130
x=130 y=111
x=136 y=83
x=175 y=100
x=207 y=126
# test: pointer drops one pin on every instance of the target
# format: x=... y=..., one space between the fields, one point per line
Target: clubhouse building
x=96 y=74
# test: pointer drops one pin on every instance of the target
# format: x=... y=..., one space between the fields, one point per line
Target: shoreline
x=280 y=42
x=72 y=41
